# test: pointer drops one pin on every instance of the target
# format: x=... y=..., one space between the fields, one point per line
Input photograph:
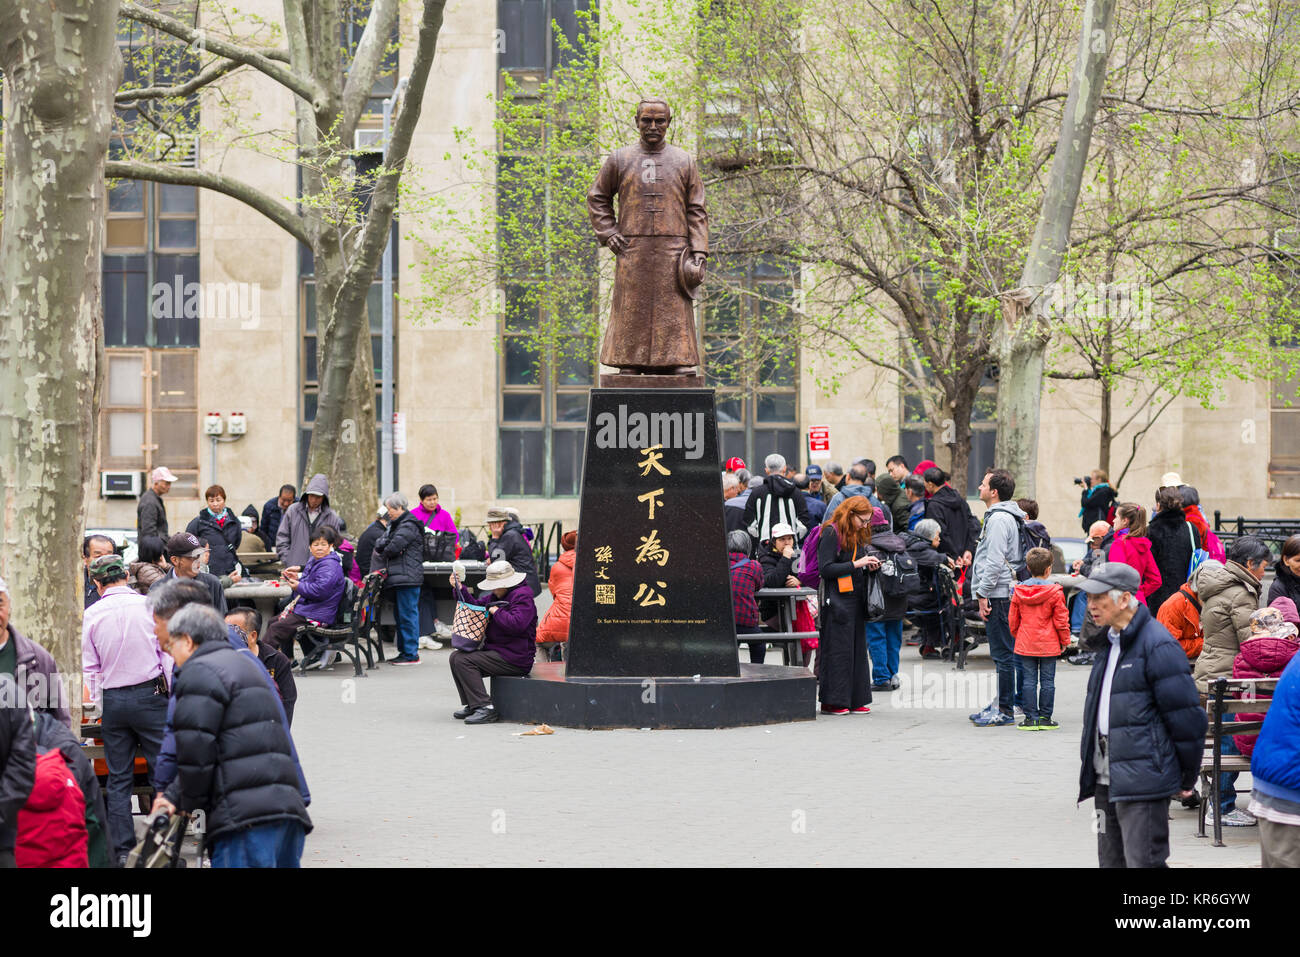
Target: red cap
x=734 y=463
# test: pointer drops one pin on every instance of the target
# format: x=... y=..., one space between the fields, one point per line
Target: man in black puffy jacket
x=960 y=531
x=233 y=756
x=1143 y=724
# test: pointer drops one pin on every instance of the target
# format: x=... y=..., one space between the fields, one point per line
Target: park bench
x=352 y=635
x=1222 y=701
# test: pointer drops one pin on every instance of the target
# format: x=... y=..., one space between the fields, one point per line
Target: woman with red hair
x=845 y=679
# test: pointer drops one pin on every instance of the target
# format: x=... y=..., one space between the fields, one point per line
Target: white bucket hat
x=1171 y=480
x=780 y=529
x=500 y=574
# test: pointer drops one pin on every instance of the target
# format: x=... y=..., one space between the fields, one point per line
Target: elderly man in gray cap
x=508 y=544
x=1143 y=724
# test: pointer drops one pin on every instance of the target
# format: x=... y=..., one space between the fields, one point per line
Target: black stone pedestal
x=652 y=637
x=762 y=694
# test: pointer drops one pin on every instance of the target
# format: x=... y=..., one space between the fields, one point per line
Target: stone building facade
x=473 y=428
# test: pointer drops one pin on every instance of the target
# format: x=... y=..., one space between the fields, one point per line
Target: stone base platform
x=763 y=694
x=617 y=380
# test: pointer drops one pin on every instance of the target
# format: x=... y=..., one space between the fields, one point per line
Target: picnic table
x=263 y=595
x=787 y=600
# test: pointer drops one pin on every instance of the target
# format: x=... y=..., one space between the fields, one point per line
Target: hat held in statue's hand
x=1112 y=576
x=689 y=275
x=501 y=574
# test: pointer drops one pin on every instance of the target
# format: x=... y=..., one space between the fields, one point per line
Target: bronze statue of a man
x=661 y=239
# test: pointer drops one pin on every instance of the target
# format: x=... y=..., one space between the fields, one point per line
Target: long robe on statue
x=660 y=213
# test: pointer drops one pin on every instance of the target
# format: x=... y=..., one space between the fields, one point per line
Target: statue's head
x=652 y=118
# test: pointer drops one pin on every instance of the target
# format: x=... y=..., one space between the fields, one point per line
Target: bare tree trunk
x=1105 y=438
x=61 y=62
x=1020 y=343
x=960 y=439
x=349 y=359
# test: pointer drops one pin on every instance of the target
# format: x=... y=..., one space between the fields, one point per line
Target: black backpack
x=1028 y=538
x=899 y=575
x=471 y=549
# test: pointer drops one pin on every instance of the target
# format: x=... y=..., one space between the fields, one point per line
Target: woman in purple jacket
x=319 y=587
x=509 y=645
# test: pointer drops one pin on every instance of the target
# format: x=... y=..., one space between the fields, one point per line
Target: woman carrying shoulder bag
x=845 y=680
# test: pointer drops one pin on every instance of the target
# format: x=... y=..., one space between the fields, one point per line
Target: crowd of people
x=162 y=651
x=1158 y=593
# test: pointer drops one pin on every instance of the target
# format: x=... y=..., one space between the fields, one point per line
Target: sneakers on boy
x=1047 y=724
x=1029 y=724
x=995 y=720
x=992 y=706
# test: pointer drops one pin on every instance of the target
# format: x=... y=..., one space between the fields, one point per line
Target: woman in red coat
x=1133 y=548
x=554 y=629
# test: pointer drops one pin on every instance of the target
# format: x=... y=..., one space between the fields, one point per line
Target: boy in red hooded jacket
x=1041 y=626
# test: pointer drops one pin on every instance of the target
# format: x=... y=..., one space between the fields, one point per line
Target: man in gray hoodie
x=301 y=520
x=996 y=556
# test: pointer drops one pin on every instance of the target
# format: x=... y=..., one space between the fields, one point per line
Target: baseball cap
x=734 y=463
x=813 y=472
x=1170 y=480
x=184 y=545
x=779 y=529
x=161 y=474
x=1109 y=576
x=107 y=566
x=4 y=587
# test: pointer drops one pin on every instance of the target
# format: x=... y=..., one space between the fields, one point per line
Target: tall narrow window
x=1284 y=426
x=547 y=342
x=149 y=413
x=751 y=358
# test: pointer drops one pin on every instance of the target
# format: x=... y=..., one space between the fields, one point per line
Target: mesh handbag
x=469 y=626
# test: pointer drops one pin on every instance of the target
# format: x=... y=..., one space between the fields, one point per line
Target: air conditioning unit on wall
x=369 y=141
x=120 y=484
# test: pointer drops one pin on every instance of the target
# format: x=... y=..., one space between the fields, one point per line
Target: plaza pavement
x=396 y=781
